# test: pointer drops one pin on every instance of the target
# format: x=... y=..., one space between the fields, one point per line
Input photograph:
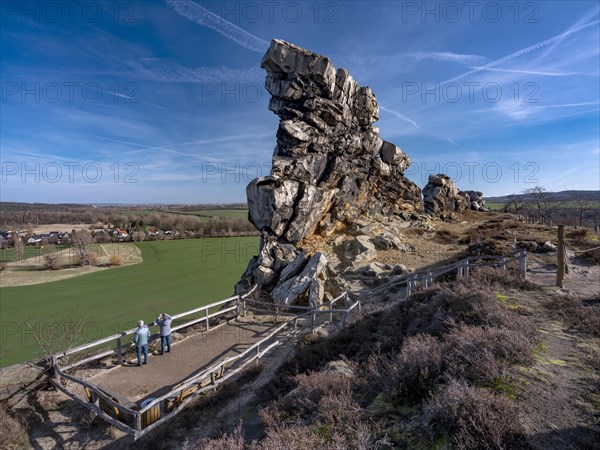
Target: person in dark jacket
x=140 y=337
x=164 y=322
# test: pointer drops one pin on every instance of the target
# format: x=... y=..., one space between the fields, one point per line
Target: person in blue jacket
x=164 y=322
x=140 y=337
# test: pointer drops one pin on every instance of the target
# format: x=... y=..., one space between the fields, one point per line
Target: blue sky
x=163 y=101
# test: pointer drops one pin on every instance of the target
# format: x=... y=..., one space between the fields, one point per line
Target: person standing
x=140 y=337
x=164 y=322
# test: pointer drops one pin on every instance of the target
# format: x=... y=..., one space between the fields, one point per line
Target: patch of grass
x=175 y=275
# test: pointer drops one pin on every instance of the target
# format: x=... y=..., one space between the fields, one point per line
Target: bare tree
x=51 y=260
x=537 y=198
x=61 y=335
x=514 y=204
x=18 y=245
x=82 y=241
x=584 y=206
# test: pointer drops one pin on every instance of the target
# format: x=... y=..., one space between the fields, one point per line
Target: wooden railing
x=425 y=278
x=139 y=420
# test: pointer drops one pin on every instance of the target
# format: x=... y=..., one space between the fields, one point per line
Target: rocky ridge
x=337 y=191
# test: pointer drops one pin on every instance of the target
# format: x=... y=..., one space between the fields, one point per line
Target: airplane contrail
x=524 y=51
x=203 y=16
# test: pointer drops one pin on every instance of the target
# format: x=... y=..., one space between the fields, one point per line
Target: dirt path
x=188 y=357
x=557 y=393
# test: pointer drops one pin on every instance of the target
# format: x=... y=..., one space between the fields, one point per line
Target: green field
x=234 y=213
x=175 y=276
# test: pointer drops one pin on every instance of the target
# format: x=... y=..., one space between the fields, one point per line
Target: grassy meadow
x=175 y=276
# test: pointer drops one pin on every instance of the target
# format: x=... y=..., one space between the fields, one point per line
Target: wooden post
x=503 y=263
x=138 y=422
x=560 y=273
x=206 y=311
x=466 y=271
x=523 y=262
x=54 y=366
x=119 y=352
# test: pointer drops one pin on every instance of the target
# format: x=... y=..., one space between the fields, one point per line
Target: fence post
x=313 y=318
x=503 y=263
x=523 y=262
x=244 y=307
x=466 y=271
x=459 y=270
x=359 y=308
x=330 y=312
x=561 y=262
x=119 y=352
x=206 y=313
x=257 y=353
x=54 y=366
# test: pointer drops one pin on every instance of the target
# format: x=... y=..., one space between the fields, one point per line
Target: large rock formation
x=330 y=167
x=441 y=195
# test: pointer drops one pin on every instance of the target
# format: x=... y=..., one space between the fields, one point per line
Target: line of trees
x=538 y=203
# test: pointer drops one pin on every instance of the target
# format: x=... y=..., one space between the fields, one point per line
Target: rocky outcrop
x=476 y=200
x=440 y=195
x=330 y=167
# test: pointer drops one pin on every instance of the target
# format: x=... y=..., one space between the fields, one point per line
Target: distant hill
x=562 y=196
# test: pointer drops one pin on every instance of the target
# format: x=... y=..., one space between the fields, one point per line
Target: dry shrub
x=229 y=441
x=115 y=260
x=445 y=236
x=495 y=278
x=93 y=259
x=580 y=314
x=484 y=354
x=320 y=413
x=419 y=365
x=12 y=432
x=473 y=418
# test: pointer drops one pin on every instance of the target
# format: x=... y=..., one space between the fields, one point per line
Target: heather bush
x=473 y=418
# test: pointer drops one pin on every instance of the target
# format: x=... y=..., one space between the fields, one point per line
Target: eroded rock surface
x=330 y=168
x=440 y=195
